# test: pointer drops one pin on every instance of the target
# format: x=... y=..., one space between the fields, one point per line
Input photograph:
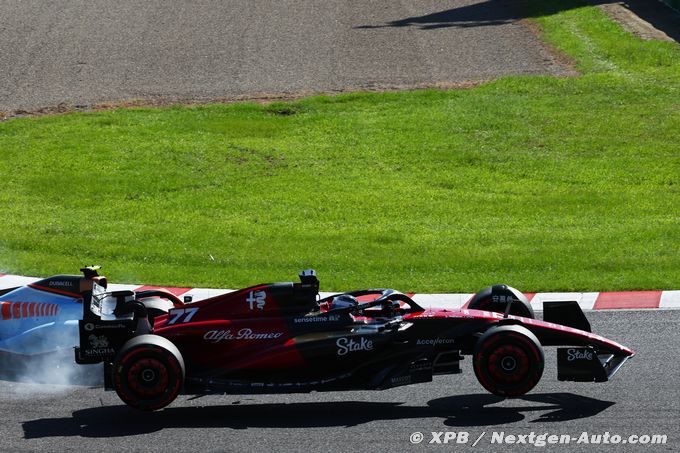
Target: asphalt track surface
x=81 y=52
x=642 y=399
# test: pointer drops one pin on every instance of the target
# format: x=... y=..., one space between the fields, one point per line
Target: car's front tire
x=148 y=372
x=508 y=360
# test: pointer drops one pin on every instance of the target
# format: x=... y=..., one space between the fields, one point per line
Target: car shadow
x=481 y=410
x=499 y=12
x=462 y=410
x=490 y=12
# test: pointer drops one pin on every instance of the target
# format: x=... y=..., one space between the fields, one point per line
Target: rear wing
x=109 y=320
x=106 y=306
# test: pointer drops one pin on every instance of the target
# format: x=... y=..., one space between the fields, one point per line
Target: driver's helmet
x=344 y=301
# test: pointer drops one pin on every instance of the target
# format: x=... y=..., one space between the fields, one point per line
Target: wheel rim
x=148 y=377
x=508 y=364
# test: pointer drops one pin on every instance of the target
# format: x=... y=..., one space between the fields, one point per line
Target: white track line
x=448 y=301
x=585 y=300
x=11 y=281
x=204 y=293
x=670 y=300
x=121 y=287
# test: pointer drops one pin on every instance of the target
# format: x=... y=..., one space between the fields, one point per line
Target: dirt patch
x=260 y=98
x=282 y=109
x=557 y=55
x=53 y=110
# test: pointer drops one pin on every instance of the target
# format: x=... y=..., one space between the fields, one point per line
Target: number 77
x=177 y=313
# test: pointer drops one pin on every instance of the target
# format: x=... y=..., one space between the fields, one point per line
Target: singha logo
x=98 y=341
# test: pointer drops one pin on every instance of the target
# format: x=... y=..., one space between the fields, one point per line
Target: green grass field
x=539 y=182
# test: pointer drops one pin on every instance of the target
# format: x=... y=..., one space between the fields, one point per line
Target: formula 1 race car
x=281 y=338
x=41 y=318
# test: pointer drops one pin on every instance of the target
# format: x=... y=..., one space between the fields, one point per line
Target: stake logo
x=346 y=345
x=575 y=354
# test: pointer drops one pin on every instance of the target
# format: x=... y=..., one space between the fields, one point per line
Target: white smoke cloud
x=30 y=377
x=50 y=372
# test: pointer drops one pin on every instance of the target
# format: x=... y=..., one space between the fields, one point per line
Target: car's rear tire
x=508 y=360
x=148 y=372
x=494 y=298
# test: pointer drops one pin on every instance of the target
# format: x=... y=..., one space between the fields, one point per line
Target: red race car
x=282 y=338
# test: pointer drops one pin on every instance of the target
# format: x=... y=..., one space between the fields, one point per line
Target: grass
x=543 y=183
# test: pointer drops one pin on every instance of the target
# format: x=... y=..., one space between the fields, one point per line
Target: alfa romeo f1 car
x=282 y=338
